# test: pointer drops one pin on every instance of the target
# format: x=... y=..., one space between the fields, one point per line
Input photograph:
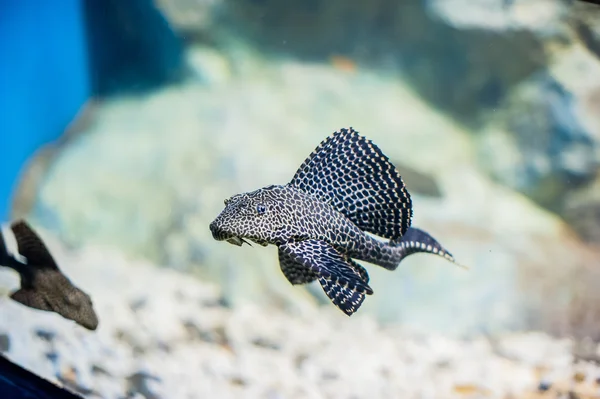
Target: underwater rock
x=209 y=66
x=460 y=56
x=131 y=47
x=544 y=140
x=544 y=17
x=195 y=20
x=582 y=211
x=457 y=55
x=586 y=19
x=420 y=183
x=546 y=147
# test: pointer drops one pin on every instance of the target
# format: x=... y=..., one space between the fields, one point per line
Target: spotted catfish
x=319 y=221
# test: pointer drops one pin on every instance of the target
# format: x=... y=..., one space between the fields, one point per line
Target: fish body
x=43 y=285
x=293 y=215
x=320 y=220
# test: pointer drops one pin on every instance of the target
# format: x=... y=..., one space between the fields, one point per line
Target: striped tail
x=416 y=240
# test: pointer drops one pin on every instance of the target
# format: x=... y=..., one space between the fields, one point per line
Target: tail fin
x=43 y=285
x=416 y=240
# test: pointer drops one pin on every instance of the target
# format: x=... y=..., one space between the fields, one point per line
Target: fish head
x=256 y=216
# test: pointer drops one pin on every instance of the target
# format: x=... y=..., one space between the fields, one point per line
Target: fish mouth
x=90 y=322
x=220 y=235
x=237 y=241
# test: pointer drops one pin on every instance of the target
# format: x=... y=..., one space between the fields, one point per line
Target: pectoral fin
x=31 y=298
x=344 y=285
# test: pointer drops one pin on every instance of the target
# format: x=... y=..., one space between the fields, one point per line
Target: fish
x=346 y=203
x=43 y=285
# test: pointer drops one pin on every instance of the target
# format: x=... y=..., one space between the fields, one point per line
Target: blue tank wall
x=43 y=79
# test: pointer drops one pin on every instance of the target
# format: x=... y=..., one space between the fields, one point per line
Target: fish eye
x=260 y=208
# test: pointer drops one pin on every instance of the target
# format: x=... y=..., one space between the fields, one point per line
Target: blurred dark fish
x=43 y=285
x=319 y=221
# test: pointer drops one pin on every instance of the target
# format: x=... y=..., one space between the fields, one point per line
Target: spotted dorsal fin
x=351 y=173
